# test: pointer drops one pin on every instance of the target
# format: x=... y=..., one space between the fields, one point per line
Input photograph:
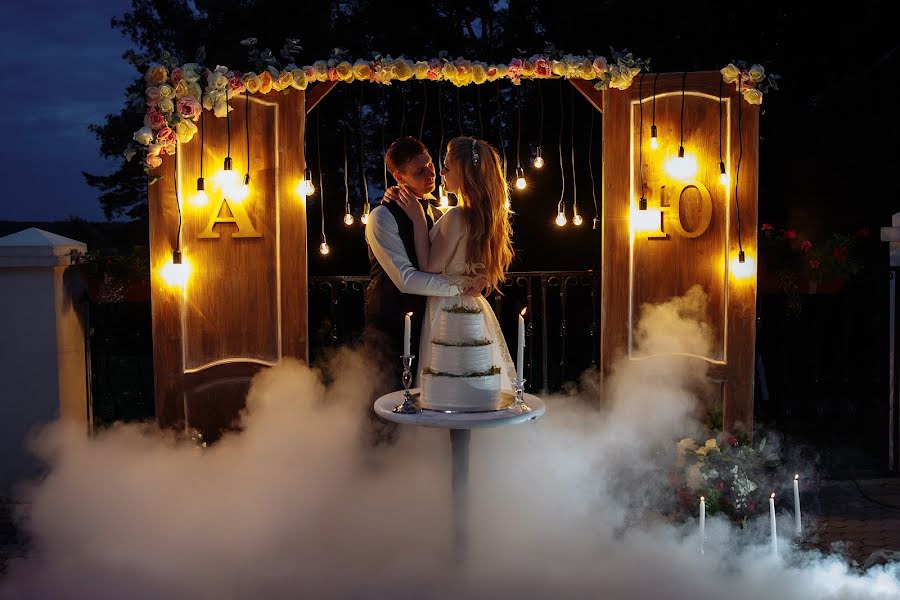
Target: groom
x=397 y=287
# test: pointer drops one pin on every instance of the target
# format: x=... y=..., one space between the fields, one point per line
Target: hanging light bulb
x=365 y=216
x=576 y=218
x=681 y=167
x=176 y=272
x=538 y=159
x=227 y=178
x=200 y=198
x=348 y=218
x=323 y=247
x=520 y=178
x=240 y=192
x=654 y=142
x=561 y=214
x=443 y=198
x=306 y=187
x=642 y=203
x=723 y=176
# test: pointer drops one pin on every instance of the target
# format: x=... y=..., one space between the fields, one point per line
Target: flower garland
x=752 y=82
x=176 y=95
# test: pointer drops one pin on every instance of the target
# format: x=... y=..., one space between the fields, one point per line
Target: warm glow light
x=682 y=168
x=520 y=183
x=199 y=199
x=348 y=219
x=323 y=248
x=724 y=179
x=442 y=196
x=227 y=179
x=538 y=162
x=645 y=221
x=577 y=220
x=176 y=275
x=743 y=270
x=238 y=193
x=561 y=219
x=523 y=311
x=654 y=143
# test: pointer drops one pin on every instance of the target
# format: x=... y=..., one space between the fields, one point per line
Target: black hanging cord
x=572 y=142
x=441 y=121
x=459 y=112
x=227 y=123
x=655 y=77
x=402 y=110
x=519 y=138
x=176 y=256
x=362 y=146
x=641 y=137
x=683 y=80
x=500 y=127
x=424 y=109
x=247 y=128
x=720 y=122
x=478 y=101
x=591 y=165
x=319 y=166
x=346 y=168
x=202 y=142
x=737 y=175
x=562 y=169
x=383 y=148
x=541 y=127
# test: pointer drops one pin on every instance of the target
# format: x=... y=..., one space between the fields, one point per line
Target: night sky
x=62 y=70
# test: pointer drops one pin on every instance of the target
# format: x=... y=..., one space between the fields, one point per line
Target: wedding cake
x=461 y=375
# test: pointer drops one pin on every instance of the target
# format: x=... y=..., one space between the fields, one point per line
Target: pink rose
x=332 y=74
x=806 y=245
x=177 y=75
x=188 y=108
x=515 y=65
x=153 y=161
x=165 y=136
x=841 y=253
x=154 y=119
x=153 y=95
x=310 y=73
x=492 y=72
x=790 y=234
x=542 y=67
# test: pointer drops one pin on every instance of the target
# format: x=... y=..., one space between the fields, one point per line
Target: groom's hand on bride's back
x=473 y=288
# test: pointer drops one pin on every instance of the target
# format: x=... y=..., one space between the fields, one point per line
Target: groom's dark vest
x=386 y=305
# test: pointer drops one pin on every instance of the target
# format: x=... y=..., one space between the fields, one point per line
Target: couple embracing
x=422 y=260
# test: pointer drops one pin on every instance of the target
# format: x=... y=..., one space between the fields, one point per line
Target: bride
x=472 y=239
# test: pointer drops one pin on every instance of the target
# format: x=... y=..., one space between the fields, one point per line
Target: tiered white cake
x=461 y=376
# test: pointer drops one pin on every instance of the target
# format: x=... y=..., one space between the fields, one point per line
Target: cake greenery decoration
x=459 y=308
x=491 y=371
x=481 y=342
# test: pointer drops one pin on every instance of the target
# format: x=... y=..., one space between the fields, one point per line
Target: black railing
x=556 y=352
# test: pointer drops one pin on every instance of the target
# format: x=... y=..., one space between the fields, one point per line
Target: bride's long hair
x=484 y=200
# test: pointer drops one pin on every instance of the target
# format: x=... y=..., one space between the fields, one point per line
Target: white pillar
x=42 y=352
x=892 y=235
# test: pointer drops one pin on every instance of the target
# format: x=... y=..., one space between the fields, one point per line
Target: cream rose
x=221 y=108
x=166 y=105
x=361 y=70
x=153 y=160
x=344 y=71
x=181 y=89
x=156 y=75
x=251 y=82
x=153 y=95
x=265 y=82
x=479 y=73
x=192 y=72
x=753 y=96
x=730 y=73
x=299 y=79
x=166 y=91
x=403 y=69
x=320 y=68
x=421 y=69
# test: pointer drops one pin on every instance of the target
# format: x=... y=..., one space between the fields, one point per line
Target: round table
x=459 y=426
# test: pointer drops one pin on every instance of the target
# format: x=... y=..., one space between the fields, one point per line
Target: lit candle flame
x=523 y=311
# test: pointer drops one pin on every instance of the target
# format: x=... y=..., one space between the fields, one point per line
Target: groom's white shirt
x=383 y=237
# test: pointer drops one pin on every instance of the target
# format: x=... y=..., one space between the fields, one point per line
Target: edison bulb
x=577 y=220
x=228 y=179
x=239 y=193
x=176 y=275
x=348 y=219
x=199 y=199
x=654 y=143
x=520 y=183
x=364 y=219
x=323 y=248
x=561 y=219
x=723 y=178
x=538 y=162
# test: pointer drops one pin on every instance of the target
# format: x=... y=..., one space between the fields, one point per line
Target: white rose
x=221 y=108
x=143 y=136
x=757 y=73
x=166 y=91
x=166 y=105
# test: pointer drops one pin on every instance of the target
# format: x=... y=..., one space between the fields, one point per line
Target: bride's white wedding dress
x=456 y=268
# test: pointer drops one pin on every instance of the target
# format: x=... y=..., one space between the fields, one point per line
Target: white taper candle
x=520 y=350
x=702 y=522
x=772 y=522
x=797 y=526
x=407 y=332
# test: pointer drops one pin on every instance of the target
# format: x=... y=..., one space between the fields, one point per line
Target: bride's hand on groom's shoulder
x=392 y=194
x=407 y=201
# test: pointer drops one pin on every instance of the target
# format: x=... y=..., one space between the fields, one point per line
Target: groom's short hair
x=402 y=151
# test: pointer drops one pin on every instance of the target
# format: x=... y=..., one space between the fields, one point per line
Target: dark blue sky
x=61 y=70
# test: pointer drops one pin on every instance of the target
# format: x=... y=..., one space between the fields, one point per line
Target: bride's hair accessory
x=475 y=155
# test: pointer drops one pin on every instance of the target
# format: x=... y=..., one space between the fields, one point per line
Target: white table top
x=384 y=408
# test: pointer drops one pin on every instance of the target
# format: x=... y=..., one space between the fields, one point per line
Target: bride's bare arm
x=444 y=244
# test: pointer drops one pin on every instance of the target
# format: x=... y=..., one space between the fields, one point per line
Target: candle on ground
x=772 y=522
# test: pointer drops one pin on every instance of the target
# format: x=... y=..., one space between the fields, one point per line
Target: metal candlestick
x=519 y=387
x=407 y=408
